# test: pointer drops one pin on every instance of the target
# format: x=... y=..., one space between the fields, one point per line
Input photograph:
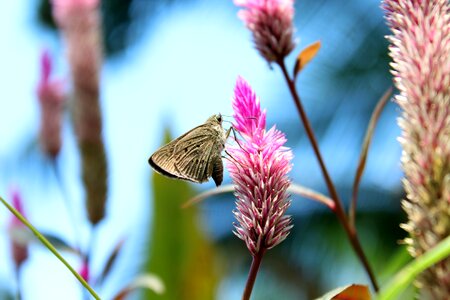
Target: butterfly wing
x=194 y=156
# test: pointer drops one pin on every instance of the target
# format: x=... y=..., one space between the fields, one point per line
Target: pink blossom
x=84 y=270
x=270 y=21
x=79 y=21
x=80 y=24
x=258 y=165
x=51 y=101
x=67 y=8
x=18 y=244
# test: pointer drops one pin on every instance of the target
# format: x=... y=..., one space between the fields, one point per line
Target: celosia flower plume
x=80 y=24
x=420 y=48
x=258 y=165
x=270 y=22
x=84 y=270
x=19 y=248
x=51 y=101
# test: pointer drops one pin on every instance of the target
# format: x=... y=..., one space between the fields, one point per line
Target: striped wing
x=194 y=156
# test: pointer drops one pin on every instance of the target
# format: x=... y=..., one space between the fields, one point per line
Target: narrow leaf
x=146 y=281
x=59 y=243
x=365 y=150
x=293 y=189
x=404 y=278
x=350 y=292
x=179 y=251
x=110 y=262
x=49 y=246
x=229 y=188
x=311 y=194
x=305 y=56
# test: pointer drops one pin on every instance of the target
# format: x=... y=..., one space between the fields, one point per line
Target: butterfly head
x=215 y=119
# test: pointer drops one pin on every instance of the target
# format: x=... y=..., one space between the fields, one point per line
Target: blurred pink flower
x=79 y=21
x=420 y=48
x=258 y=165
x=18 y=243
x=80 y=24
x=63 y=9
x=270 y=22
x=84 y=270
x=51 y=101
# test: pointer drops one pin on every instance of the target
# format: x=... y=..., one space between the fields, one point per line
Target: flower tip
x=46 y=65
x=17 y=200
x=84 y=271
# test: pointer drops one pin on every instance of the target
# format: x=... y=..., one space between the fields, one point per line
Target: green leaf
x=179 y=253
x=146 y=281
x=59 y=243
x=404 y=278
x=49 y=246
x=110 y=262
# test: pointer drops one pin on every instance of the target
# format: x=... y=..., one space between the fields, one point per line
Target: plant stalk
x=49 y=247
x=339 y=210
x=252 y=275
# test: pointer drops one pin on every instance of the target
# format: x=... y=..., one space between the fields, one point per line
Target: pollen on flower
x=260 y=176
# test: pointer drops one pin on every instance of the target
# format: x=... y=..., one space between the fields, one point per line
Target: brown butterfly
x=196 y=155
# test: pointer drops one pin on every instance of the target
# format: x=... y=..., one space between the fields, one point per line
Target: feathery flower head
x=80 y=24
x=79 y=21
x=420 y=48
x=18 y=244
x=258 y=166
x=67 y=8
x=51 y=101
x=84 y=270
x=18 y=205
x=270 y=22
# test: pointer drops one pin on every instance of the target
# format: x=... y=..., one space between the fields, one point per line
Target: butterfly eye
x=219 y=118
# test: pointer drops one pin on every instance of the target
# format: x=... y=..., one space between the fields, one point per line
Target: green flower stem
x=404 y=278
x=49 y=247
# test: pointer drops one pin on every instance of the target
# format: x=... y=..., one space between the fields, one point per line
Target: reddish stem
x=339 y=210
x=252 y=274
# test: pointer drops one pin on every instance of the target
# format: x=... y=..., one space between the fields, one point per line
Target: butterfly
x=196 y=155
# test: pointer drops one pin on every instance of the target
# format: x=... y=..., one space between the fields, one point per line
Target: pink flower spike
x=420 y=50
x=259 y=167
x=18 y=205
x=65 y=8
x=249 y=119
x=51 y=102
x=270 y=22
x=84 y=271
x=46 y=67
x=18 y=244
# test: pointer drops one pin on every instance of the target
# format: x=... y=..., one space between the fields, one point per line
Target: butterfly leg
x=235 y=138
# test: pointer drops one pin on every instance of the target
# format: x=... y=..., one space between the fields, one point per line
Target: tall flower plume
x=258 y=165
x=19 y=247
x=51 y=101
x=79 y=21
x=270 y=22
x=420 y=48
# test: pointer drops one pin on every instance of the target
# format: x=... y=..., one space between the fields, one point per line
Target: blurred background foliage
x=171 y=64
